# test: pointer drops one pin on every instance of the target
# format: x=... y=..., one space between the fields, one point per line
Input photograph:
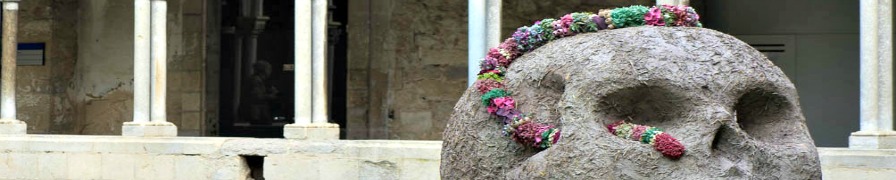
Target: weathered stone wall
x=407 y=60
x=41 y=98
x=186 y=67
x=85 y=86
x=406 y=67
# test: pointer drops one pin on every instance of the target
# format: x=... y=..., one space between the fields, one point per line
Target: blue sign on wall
x=31 y=54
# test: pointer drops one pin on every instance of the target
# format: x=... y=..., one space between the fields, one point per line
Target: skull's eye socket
x=648 y=105
x=765 y=116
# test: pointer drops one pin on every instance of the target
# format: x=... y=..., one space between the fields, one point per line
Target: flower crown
x=521 y=127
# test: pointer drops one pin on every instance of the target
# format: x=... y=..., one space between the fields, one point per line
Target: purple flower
x=600 y=21
x=561 y=26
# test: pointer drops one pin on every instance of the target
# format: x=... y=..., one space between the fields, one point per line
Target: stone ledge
x=110 y=144
x=846 y=163
x=313 y=131
x=120 y=157
x=149 y=129
x=12 y=127
x=872 y=140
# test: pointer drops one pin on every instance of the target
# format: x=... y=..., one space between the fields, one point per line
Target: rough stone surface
x=736 y=113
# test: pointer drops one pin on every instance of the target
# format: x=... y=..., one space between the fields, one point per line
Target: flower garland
x=662 y=142
x=499 y=102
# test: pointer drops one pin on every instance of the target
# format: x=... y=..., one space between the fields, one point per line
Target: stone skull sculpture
x=737 y=114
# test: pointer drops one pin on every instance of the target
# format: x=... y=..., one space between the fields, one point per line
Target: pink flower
x=654 y=17
x=637 y=131
x=495 y=54
x=529 y=133
x=510 y=47
x=503 y=102
x=491 y=109
x=561 y=27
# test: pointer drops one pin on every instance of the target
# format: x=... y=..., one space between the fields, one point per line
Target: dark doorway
x=337 y=53
x=256 y=47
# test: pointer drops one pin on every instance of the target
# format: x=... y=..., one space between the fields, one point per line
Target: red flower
x=485 y=85
x=529 y=133
x=668 y=145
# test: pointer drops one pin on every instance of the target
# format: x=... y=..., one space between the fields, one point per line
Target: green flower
x=494 y=93
x=491 y=75
x=629 y=16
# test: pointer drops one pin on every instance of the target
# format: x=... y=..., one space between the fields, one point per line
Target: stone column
x=876 y=88
x=672 y=2
x=493 y=23
x=311 y=120
x=150 y=22
x=483 y=32
x=9 y=125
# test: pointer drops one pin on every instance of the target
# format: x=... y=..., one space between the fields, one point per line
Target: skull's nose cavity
x=720 y=140
x=764 y=115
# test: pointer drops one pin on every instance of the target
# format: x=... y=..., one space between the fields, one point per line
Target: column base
x=313 y=131
x=12 y=127
x=149 y=129
x=873 y=140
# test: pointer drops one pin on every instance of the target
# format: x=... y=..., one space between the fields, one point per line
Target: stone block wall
x=406 y=67
x=186 y=66
x=406 y=64
x=97 y=157
x=407 y=60
x=41 y=90
x=85 y=85
x=113 y=157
